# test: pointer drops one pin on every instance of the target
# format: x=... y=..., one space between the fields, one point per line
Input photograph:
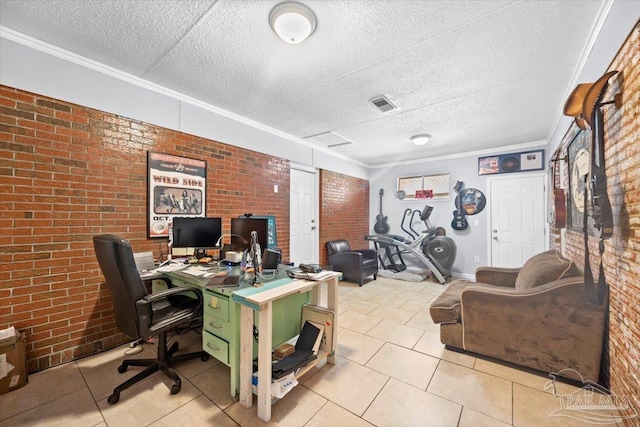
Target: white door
x=303 y=244
x=517 y=219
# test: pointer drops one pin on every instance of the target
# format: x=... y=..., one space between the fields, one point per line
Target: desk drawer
x=217 y=306
x=217 y=326
x=216 y=347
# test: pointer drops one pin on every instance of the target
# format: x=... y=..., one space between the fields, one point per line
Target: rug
x=408 y=275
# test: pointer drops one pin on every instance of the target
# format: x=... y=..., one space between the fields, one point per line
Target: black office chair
x=139 y=314
x=354 y=264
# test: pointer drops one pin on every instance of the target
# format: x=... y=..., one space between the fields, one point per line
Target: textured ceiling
x=476 y=75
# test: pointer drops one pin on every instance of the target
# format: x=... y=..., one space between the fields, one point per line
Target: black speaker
x=271 y=259
x=200 y=253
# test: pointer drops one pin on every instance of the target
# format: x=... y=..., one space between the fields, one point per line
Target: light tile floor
x=391 y=370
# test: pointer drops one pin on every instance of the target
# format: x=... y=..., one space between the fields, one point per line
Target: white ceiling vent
x=328 y=139
x=383 y=104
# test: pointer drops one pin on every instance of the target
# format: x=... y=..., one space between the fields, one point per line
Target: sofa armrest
x=497 y=276
x=549 y=327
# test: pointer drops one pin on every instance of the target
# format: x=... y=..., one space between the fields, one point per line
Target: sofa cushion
x=447 y=308
x=545 y=267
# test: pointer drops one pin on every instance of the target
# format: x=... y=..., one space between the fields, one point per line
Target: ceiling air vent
x=383 y=104
x=328 y=139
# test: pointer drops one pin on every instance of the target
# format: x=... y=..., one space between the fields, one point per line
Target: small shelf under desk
x=261 y=300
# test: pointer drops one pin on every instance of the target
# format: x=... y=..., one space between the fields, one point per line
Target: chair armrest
x=153 y=317
x=497 y=276
x=367 y=253
x=157 y=296
x=344 y=257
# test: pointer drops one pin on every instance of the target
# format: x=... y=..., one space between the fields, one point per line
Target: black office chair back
x=118 y=266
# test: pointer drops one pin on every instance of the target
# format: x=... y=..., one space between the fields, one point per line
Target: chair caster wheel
x=113 y=399
x=122 y=369
x=175 y=389
x=204 y=357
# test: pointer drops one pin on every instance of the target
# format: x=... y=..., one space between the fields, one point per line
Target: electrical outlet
x=476 y=258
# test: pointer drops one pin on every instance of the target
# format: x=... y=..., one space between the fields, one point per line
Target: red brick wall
x=68 y=172
x=621 y=365
x=344 y=211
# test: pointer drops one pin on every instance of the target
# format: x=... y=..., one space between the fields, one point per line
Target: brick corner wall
x=621 y=362
x=344 y=211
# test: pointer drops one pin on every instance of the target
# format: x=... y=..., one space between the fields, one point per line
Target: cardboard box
x=13 y=365
x=283 y=350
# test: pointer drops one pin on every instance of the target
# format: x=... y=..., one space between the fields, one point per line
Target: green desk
x=264 y=301
x=221 y=321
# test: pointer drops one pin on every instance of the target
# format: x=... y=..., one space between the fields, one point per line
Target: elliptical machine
x=431 y=247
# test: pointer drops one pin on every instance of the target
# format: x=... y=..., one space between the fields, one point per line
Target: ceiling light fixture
x=292 y=22
x=420 y=139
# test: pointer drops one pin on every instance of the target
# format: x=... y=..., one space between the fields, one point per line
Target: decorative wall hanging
x=579 y=153
x=471 y=200
x=514 y=162
x=176 y=186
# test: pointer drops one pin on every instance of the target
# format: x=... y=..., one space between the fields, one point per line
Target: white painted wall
x=32 y=66
x=471 y=242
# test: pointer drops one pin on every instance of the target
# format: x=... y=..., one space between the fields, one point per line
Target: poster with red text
x=177 y=186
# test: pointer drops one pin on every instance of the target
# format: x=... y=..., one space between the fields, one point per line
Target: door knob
x=495 y=238
x=495 y=231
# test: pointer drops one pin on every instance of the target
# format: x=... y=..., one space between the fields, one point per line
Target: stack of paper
x=299 y=274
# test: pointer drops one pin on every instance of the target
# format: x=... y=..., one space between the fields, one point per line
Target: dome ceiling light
x=420 y=139
x=292 y=22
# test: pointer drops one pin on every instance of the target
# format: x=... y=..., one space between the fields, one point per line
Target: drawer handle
x=213 y=325
x=213 y=348
x=215 y=308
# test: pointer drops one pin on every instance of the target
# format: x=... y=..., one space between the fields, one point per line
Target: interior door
x=517 y=219
x=303 y=226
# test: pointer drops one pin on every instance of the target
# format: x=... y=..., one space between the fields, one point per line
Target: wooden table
x=261 y=300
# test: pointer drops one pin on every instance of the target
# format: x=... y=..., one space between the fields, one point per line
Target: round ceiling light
x=292 y=22
x=420 y=139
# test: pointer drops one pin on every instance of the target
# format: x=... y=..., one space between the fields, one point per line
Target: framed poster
x=176 y=186
x=514 y=162
x=579 y=153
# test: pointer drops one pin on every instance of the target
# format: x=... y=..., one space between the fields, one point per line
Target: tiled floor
x=391 y=370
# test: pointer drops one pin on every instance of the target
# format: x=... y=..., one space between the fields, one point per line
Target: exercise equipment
x=430 y=247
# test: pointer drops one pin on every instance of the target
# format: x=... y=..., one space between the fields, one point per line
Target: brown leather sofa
x=536 y=316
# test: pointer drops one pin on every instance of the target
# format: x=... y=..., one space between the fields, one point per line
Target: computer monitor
x=241 y=229
x=197 y=233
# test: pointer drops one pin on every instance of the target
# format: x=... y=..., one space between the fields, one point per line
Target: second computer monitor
x=241 y=229
x=196 y=232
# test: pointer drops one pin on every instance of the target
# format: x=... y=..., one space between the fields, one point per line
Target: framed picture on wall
x=176 y=186
x=579 y=164
x=513 y=162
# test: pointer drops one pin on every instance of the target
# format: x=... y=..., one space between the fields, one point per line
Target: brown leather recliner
x=536 y=316
x=354 y=265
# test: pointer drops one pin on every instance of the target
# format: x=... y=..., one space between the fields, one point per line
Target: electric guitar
x=381 y=226
x=459 y=221
x=600 y=214
x=559 y=207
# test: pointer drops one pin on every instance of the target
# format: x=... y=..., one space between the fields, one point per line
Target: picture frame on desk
x=176 y=186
